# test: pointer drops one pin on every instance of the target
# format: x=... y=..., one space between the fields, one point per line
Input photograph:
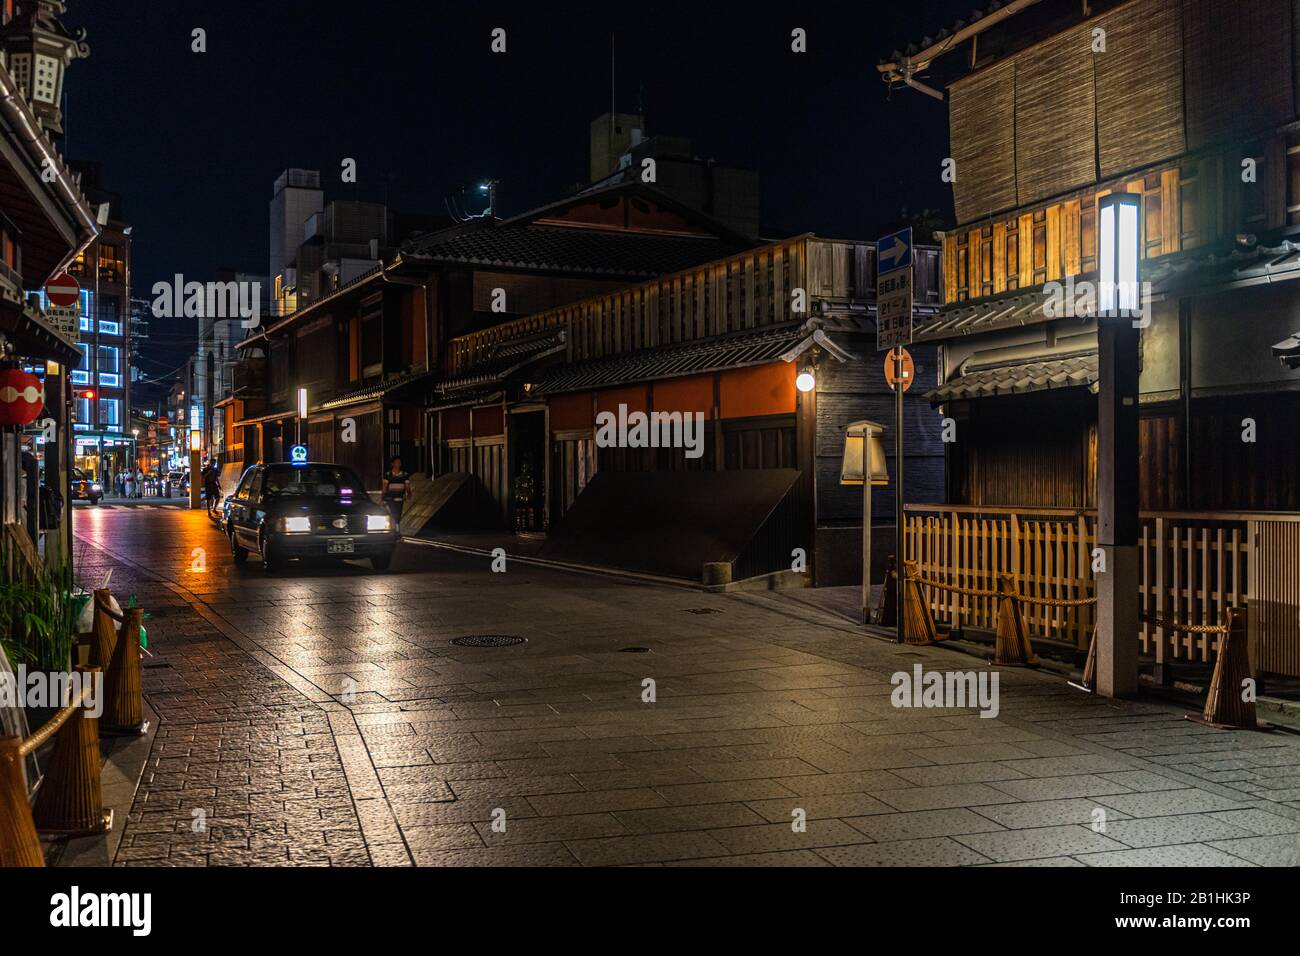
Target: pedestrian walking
x=397 y=485
x=139 y=482
x=212 y=487
x=129 y=483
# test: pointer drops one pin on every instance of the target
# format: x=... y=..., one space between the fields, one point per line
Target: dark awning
x=32 y=338
x=385 y=389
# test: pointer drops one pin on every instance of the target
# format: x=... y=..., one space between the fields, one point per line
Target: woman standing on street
x=396 y=486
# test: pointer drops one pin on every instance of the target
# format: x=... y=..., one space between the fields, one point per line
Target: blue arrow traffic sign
x=894 y=251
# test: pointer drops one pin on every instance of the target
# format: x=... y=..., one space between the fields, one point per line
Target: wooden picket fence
x=1193 y=568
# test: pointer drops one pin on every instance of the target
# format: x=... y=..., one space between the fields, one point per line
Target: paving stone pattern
x=322 y=717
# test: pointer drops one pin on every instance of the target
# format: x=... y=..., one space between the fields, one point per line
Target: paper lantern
x=21 y=397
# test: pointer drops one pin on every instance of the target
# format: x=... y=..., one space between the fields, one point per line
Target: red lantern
x=21 y=397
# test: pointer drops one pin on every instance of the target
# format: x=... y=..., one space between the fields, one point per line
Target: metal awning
x=1015 y=377
x=691 y=358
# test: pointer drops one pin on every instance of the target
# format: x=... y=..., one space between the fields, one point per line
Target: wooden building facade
x=1195 y=106
x=726 y=340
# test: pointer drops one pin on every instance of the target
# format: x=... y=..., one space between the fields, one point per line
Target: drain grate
x=702 y=610
x=633 y=650
x=488 y=640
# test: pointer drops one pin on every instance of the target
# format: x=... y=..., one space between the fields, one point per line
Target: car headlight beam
x=379 y=523
x=295 y=525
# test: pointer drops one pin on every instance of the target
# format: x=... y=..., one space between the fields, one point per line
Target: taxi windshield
x=321 y=481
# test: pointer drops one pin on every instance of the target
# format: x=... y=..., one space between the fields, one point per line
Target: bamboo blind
x=1238 y=67
x=984 y=142
x=1055 y=116
x=1140 y=86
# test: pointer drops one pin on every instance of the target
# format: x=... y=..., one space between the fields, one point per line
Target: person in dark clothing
x=397 y=485
x=212 y=487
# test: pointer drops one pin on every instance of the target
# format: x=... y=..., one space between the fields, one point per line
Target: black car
x=307 y=510
x=82 y=487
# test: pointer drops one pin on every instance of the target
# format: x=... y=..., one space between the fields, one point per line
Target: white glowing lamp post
x=1119 y=253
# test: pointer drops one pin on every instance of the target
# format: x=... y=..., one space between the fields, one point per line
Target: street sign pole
x=893 y=332
x=898 y=491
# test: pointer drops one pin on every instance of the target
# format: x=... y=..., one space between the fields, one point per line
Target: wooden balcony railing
x=1193 y=567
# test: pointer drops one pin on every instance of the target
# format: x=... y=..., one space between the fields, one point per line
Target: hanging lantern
x=21 y=397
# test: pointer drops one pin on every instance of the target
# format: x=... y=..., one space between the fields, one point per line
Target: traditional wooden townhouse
x=45 y=222
x=770 y=352
x=350 y=375
x=1193 y=106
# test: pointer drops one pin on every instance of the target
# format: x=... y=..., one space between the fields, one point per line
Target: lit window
x=110 y=411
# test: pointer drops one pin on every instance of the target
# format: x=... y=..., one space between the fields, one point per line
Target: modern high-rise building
x=297 y=196
x=102 y=382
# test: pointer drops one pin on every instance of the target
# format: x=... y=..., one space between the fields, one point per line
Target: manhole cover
x=633 y=650
x=702 y=610
x=488 y=640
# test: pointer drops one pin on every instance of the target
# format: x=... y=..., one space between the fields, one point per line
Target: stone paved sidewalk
x=322 y=716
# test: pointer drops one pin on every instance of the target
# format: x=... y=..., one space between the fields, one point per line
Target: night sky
x=409 y=88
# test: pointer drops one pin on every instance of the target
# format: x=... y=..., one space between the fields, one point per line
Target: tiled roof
x=504 y=359
x=1076 y=369
x=586 y=251
x=377 y=390
x=690 y=358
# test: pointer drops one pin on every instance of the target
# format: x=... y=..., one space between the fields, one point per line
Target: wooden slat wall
x=1054 y=117
x=1057 y=240
x=747 y=291
x=1140 y=86
x=984 y=143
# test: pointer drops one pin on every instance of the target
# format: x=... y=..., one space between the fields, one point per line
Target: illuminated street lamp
x=805 y=381
x=864 y=464
x=1119 y=250
x=1119 y=236
x=302 y=414
x=196 y=448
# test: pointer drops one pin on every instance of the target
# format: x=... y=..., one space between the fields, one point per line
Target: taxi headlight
x=378 y=523
x=295 y=525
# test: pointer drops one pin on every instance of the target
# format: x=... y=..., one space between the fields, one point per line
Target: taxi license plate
x=340 y=546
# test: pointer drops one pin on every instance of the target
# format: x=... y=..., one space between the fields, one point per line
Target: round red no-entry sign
x=63 y=290
x=891 y=373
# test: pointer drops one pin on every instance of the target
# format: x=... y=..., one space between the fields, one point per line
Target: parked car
x=82 y=487
x=305 y=510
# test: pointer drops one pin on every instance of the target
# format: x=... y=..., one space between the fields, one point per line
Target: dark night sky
x=409 y=88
